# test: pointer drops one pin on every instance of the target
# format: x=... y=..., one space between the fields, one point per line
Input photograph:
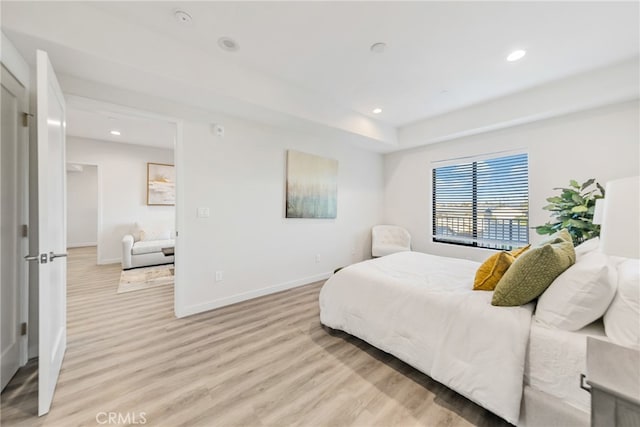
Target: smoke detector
x=182 y=17
x=378 y=47
x=228 y=44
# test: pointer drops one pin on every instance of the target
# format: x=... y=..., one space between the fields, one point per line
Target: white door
x=52 y=230
x=13 y=106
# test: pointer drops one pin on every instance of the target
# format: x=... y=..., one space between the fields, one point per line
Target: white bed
x=555 y=360
x=421 y=308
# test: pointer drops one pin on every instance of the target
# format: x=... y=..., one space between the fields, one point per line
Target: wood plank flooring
x=263 y=362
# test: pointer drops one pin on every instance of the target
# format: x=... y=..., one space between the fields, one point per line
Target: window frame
x=474 y=241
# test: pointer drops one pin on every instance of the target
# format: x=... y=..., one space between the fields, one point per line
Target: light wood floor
x=264 y=362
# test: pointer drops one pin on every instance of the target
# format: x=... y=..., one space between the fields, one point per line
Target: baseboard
x=221 y=302
x=109 y=261
x=81 y=245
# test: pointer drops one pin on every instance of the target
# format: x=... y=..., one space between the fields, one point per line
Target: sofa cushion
x=151 y=234
x=152 y=230
x=151 y=246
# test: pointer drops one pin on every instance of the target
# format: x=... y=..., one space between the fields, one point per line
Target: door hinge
x=23 y=328
x=25 y=119
x=25 y=230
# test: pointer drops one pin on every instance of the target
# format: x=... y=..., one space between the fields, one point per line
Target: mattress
x=555 y=360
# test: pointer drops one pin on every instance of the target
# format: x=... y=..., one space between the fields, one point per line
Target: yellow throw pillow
x=519 y=251
x=491 y=271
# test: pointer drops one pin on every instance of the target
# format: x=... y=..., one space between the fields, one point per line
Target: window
x=483 y=203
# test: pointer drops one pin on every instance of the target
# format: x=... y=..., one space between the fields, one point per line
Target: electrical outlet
x=317 y=258
x=202 y=213
x=218 y=276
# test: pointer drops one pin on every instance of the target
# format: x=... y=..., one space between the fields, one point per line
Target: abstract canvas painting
x=312 y=186
x=161 y=184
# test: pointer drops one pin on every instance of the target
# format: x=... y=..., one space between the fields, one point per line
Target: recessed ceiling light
x=228 y=44
x=378 y=47
x=516 y=54
x=182 y=17
x=377 y=110
x=115 y=132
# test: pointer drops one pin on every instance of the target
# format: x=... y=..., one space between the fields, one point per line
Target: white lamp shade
x=598 y=213
x=620 y=230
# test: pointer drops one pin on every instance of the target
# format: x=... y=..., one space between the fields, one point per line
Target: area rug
x=144 y=278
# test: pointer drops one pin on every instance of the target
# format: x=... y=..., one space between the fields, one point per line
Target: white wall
x=602 y=143
x=241 y=178
x=82 y=207
x=122 y=181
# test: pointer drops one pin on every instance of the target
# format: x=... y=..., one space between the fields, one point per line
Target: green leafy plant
x=573 y=209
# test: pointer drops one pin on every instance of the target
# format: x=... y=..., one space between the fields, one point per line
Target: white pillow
x=587 y=246
x=151 y=232
x=622 y=319
x=580 y=295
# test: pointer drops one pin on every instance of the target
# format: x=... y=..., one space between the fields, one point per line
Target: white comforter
x=422 y=309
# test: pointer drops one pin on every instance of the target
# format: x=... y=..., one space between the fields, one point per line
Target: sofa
x=143 y=246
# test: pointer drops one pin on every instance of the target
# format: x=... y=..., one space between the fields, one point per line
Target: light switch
x=203 y=213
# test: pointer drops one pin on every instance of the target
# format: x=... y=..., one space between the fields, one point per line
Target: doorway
x=82 y=205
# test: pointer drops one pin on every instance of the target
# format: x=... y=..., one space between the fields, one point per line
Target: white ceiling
x=441 y=56
x=87 y=122
x=310 y=61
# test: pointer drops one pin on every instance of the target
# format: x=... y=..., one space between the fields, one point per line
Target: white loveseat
x=143 y=246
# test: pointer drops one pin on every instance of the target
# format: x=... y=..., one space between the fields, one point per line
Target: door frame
x=82 y=102
x=18 y=68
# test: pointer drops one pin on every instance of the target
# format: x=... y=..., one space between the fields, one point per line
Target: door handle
x=42 y=258
x=53 y=256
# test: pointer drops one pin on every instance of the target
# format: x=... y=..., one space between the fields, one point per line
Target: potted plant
x=573 y=209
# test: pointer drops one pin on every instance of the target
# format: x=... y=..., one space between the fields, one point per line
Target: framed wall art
x=312 y=186
x=161 y=184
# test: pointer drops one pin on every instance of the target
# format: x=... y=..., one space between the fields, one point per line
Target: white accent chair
x=143 y=247
x=389 y=239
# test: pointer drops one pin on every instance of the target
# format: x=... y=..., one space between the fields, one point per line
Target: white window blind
x=482 y=203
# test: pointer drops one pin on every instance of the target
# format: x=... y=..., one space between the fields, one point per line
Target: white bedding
x=422 y=309
x=555 y=360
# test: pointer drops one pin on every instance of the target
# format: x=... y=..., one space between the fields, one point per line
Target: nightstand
x=613 y=372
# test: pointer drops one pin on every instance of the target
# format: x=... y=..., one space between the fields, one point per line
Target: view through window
x=483 y=203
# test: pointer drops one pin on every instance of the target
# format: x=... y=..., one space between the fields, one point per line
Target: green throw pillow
x=557 y=236
x=533 y=271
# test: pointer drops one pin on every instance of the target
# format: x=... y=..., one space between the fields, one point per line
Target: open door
x=52 y=230
x=13 y=136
